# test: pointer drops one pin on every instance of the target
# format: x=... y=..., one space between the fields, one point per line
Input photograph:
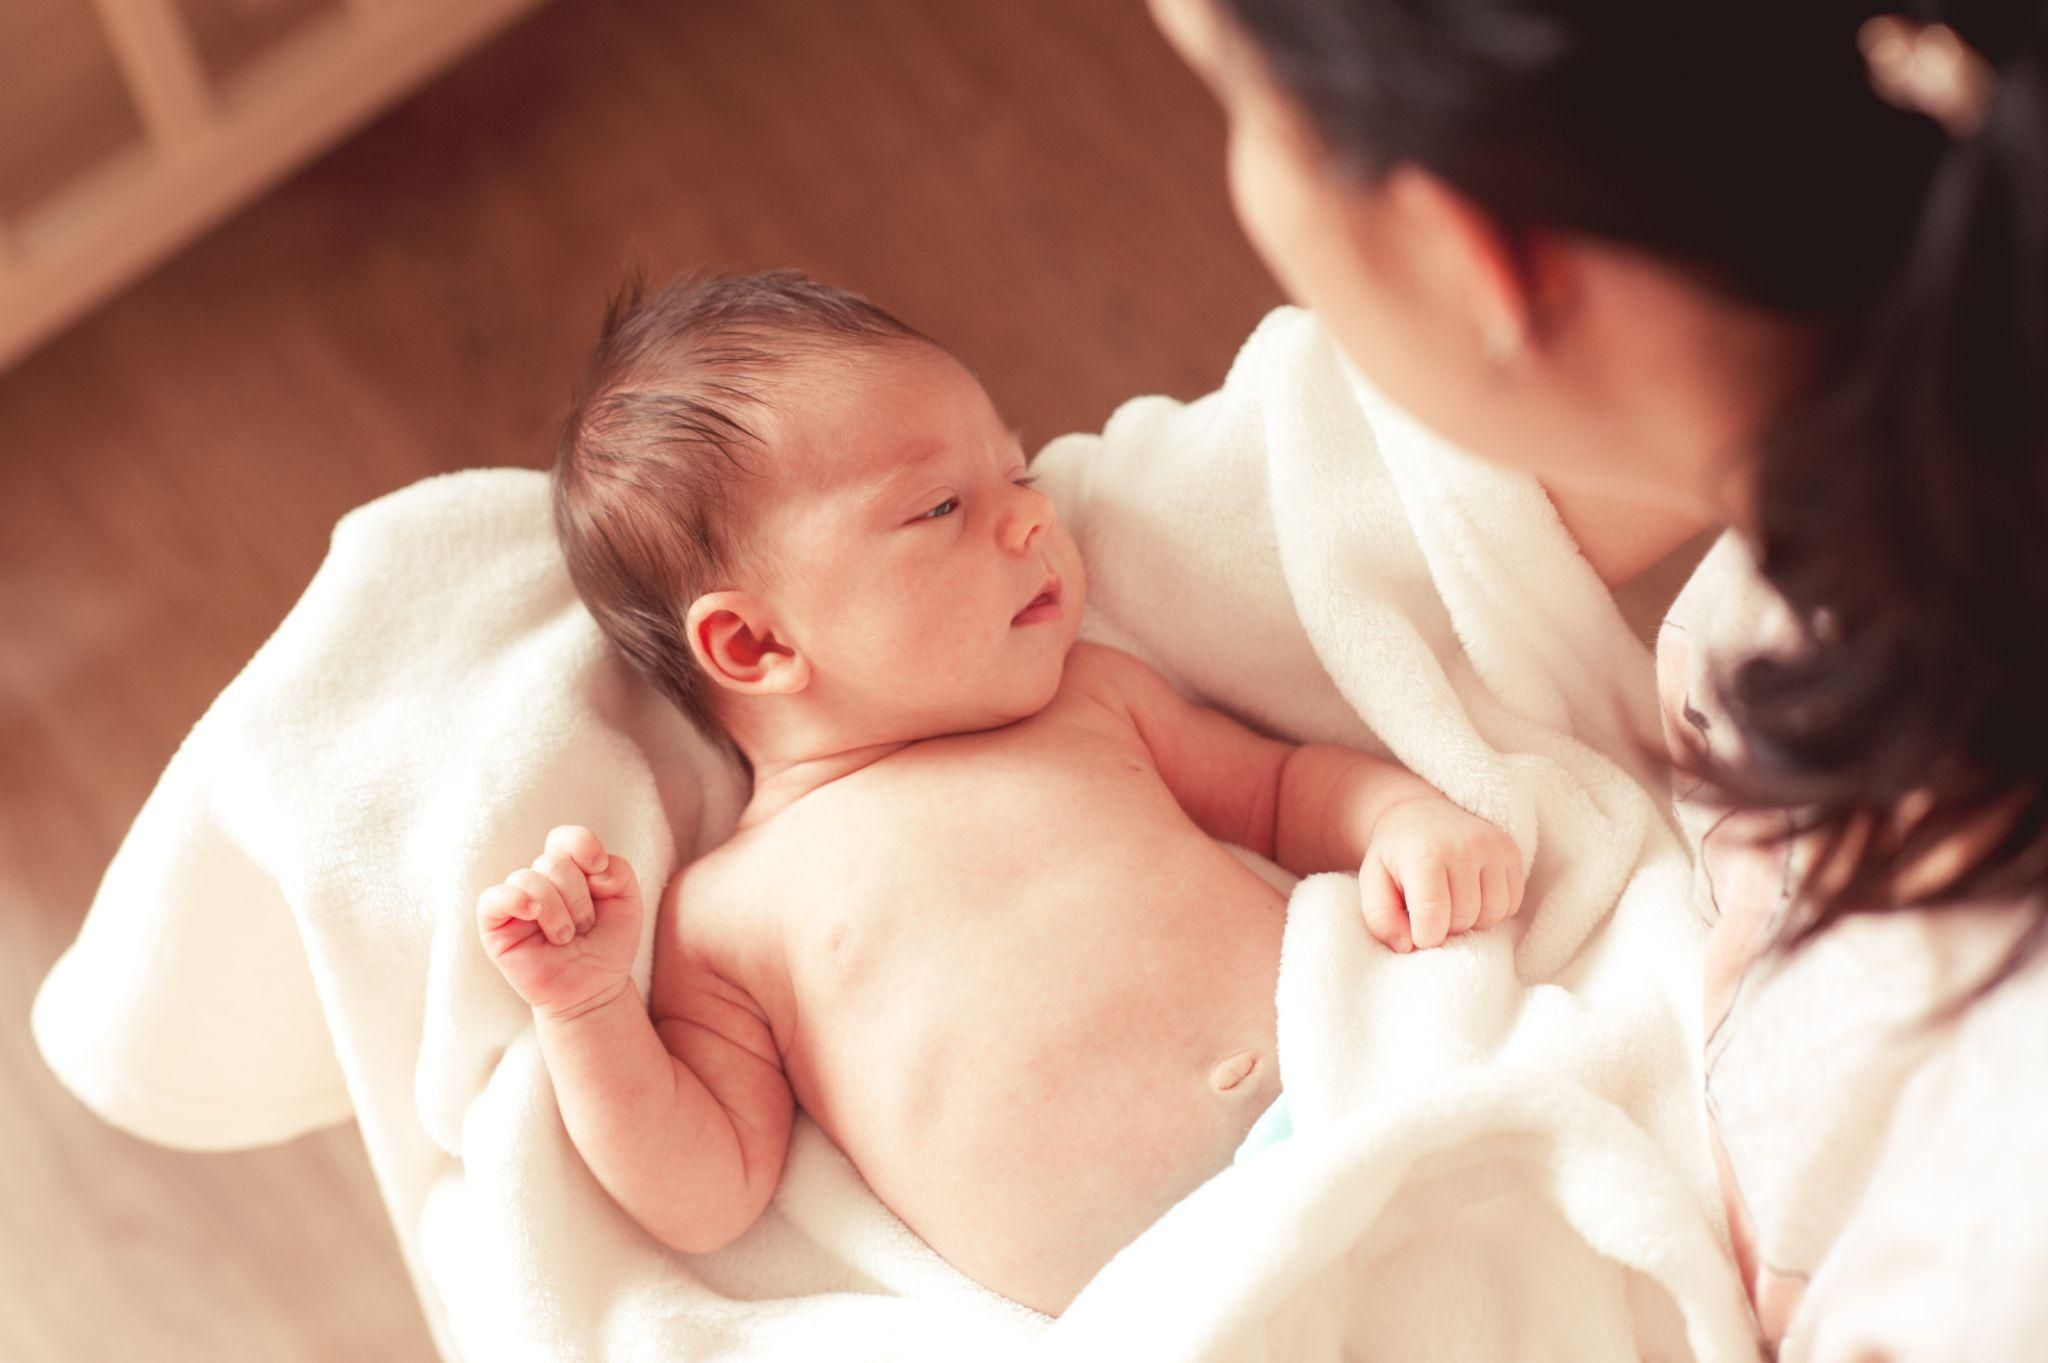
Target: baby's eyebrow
x=914 y=460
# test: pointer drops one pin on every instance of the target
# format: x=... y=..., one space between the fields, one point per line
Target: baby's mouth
x=1044 y=606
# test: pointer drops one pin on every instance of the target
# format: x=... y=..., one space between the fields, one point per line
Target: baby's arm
x=683 y=1118
x=1427 y=869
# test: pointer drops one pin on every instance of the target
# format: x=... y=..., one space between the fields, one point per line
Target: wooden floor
x=1038 y=185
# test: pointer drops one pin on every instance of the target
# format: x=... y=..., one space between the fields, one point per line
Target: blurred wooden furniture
x=131 y=126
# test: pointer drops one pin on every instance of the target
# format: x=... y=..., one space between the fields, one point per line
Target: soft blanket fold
x=1500 y=1151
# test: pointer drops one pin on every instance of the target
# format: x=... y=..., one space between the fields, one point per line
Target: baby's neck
x=780 y=782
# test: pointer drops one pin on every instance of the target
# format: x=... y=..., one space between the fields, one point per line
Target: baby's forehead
x=850 y=427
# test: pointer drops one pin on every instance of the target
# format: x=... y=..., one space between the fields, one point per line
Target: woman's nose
x=1028 y=515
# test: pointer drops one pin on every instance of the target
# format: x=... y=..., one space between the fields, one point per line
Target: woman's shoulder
x=1879 y=1158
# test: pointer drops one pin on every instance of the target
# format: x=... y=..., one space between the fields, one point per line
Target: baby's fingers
x=1467 y=896
x=1493 y=894
x=605 y=876
x=1381 y=900
x=554 y=916
x=616 y=881
x=577 y=844
x=567 y=878
x=503 y=904
x=1426 y=886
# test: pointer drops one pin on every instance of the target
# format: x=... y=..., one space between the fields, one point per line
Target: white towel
x=1500 y=1148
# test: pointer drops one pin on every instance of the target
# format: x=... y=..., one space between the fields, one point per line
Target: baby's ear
x=734 y=638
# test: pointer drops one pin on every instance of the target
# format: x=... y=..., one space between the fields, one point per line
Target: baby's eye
x=945 y=508
x=1025 y=480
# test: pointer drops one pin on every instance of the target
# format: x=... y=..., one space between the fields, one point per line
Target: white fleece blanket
x=1500 y=1149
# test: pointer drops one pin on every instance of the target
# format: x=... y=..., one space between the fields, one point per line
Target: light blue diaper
x=1273 y=1126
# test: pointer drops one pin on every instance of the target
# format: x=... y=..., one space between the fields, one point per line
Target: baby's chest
x=981 y=830
x=970 y=848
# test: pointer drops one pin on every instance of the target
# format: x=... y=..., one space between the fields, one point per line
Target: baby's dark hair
x=661 y=441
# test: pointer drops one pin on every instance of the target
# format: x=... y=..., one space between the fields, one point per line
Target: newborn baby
x=977 y=917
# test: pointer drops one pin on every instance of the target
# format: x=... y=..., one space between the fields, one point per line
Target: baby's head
x=806 y=524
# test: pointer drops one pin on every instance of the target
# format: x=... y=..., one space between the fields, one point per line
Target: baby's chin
x=1018 y=703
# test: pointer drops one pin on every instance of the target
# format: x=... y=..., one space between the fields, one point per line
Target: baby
x=977 y=917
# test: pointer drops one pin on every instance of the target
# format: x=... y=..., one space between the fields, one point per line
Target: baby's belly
x=1031 y=1078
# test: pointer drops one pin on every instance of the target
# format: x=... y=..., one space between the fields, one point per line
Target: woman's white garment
x=1886 y=1181
x=1500 y=1146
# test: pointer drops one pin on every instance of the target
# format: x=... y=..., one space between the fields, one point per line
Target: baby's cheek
x=1074 y=571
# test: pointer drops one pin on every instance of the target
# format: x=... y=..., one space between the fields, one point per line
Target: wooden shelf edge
x=77 y=250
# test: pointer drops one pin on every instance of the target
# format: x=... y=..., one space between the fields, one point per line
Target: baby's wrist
x=561 y=1014
x=1423 y=795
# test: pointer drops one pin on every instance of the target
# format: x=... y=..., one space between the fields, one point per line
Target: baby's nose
x=1025 y=520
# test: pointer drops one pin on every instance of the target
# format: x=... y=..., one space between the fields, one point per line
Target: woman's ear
x=736 y=641
x=1503 y=284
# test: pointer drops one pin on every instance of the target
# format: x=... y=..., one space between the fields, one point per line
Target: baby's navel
x=1233 y=1070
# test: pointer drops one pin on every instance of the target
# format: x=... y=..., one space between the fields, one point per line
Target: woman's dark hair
x=1901 y=499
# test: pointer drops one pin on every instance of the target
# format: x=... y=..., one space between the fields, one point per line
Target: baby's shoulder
x=709 y=940
x=706 y=895
x=1098 y=660
x=1105 y=673
x=1122 y=683
x=715 y=915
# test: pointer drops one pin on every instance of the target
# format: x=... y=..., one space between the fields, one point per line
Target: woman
x=1783 y=268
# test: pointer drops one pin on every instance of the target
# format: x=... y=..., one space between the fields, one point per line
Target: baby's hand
x=1433 y=871
x=564 y=931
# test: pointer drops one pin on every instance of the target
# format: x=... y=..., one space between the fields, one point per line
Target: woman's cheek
x=1255 y=197
x=1288 y=213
